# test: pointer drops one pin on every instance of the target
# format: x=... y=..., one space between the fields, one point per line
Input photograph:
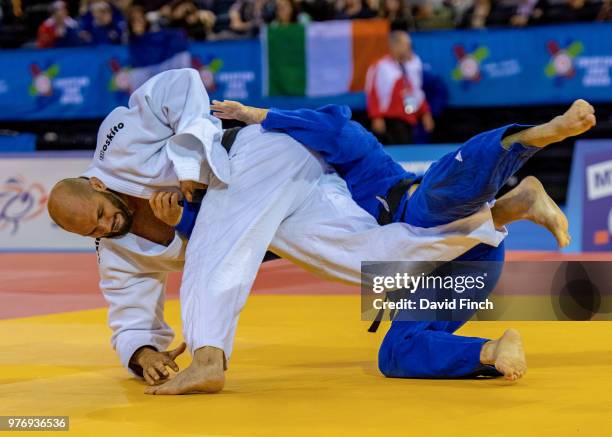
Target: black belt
x=392 y=200
x=227 y=141
x=390 y=204
x=229 y=136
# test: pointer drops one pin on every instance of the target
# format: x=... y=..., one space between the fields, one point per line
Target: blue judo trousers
x=454 y=187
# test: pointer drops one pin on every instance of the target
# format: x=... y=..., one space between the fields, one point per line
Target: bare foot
x=204 y=375
x=194 y=379
x=506 y=354
x=529 y=201
x=544 y=211
x=579 y=118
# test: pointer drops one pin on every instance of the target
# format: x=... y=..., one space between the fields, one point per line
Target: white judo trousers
x=283 y=197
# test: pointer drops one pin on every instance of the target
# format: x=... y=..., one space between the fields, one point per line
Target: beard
x=126 y=215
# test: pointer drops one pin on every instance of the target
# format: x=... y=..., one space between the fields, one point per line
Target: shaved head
x=400 y=45
x=86 y=207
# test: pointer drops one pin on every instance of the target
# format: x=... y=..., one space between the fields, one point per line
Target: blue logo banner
x=548 y=64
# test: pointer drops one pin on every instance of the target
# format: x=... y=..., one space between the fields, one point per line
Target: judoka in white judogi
x=270 y=192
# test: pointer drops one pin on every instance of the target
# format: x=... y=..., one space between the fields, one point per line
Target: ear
x=97 y=184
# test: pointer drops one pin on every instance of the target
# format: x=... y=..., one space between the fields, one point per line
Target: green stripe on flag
x=286 y=60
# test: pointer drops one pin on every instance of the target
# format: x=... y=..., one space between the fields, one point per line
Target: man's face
x=102 y=13
x=102 y=214
x=401 y=48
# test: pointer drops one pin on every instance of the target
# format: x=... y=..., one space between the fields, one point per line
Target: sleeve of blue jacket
x=327 y=130
x=188 y=219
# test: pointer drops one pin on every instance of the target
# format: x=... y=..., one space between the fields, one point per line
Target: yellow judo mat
x=305 y=365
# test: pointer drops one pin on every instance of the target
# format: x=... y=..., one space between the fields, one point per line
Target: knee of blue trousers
x=408 y=351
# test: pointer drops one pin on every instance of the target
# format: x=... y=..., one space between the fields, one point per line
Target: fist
x=154 y=363
x=190 y=188
x=165 y=206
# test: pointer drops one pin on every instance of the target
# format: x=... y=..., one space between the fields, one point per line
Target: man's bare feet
x=579 y=118
x=544 y=211
x=204 y=375
x=506 y=354
x=529 y=201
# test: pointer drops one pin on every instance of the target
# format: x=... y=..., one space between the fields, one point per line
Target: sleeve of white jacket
x=136 y=306
x=179 y=99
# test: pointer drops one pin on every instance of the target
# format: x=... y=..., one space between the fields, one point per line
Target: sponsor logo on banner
x=596 y=71
x=468 y=68
x=561 y=64
x=565 y=61
x=47 y=87
x=120 y=79
x=24 y=189
x=20 y=201
x=235 y=84
x=597 y=206
x=222 y=84
x=599 y=180
x=42 y=80
x=208 y=70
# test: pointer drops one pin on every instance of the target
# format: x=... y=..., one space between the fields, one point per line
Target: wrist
x=140 y=353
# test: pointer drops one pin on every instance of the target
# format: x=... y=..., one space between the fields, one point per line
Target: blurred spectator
x=355 y=9
x=137 y=23
x=184 y=14
x=475 y=16
x=567 y=11
x=395 y=98
x=102 y=24
x=153 y=49
x=123 y=6
x=460 y=10
x=247 y=15
x=434 y=14
x=59 y=30
x=398 y=13
x=605 y=13
x=527 y=12
x=286 y=12
x=221 y=9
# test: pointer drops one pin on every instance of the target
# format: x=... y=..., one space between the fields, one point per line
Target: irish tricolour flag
x=321 y=59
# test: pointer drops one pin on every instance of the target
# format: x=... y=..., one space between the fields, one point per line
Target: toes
x=151 y=391
x=563 y=239
x=591 y=120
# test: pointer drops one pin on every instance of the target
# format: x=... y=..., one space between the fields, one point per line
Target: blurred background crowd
x=65 y=23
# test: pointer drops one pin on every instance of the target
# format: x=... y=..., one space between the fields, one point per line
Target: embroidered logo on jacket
x=109 y=138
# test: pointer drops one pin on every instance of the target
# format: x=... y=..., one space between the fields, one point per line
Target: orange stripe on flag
x=370 y=43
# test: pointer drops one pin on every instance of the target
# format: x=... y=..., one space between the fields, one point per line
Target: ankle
x=209 y=356
x=487 y=352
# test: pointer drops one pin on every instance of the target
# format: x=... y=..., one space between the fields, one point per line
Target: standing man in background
x=394 y=91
